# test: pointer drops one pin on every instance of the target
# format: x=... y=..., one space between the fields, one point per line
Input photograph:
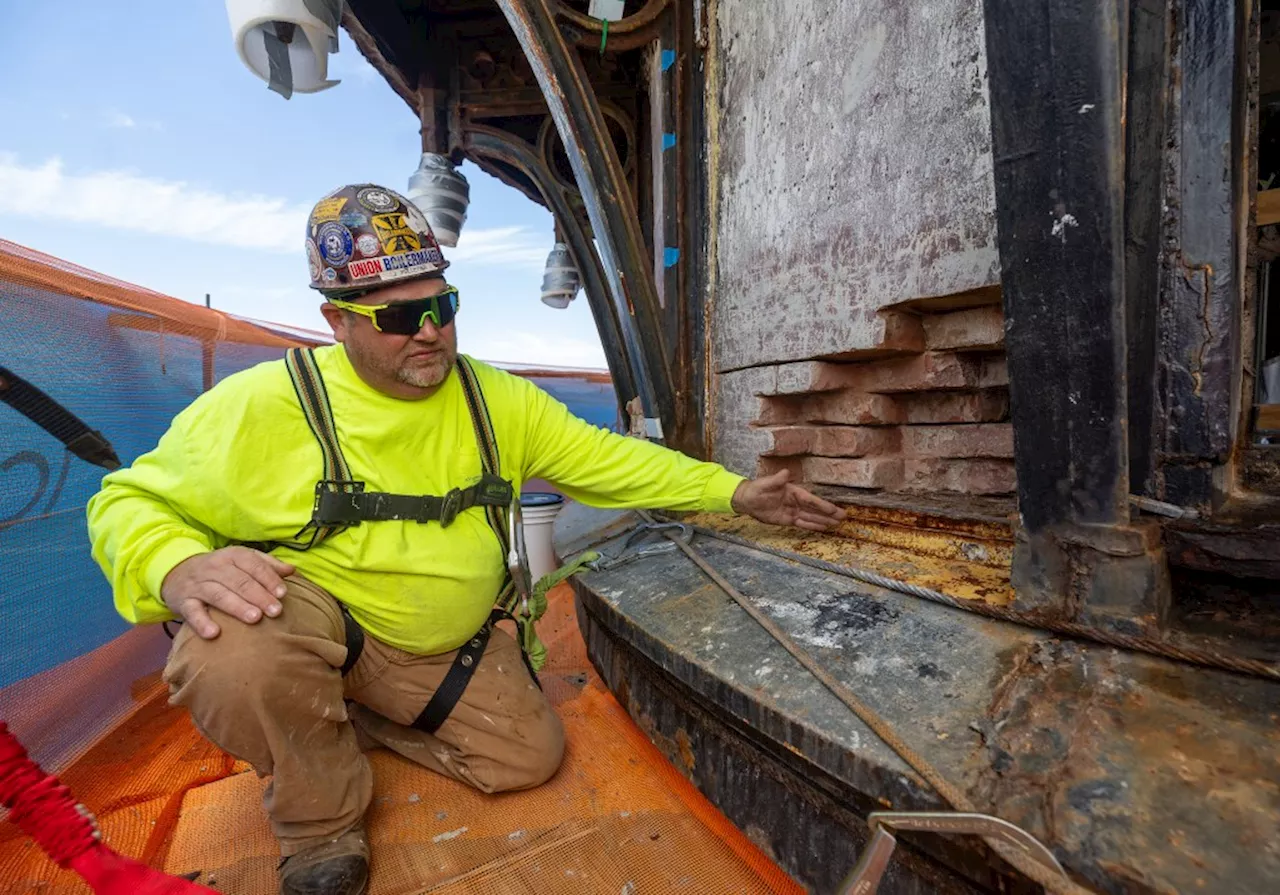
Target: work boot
x=337 y=867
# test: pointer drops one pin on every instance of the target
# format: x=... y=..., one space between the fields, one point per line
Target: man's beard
x=426 y=377
x=413 y=375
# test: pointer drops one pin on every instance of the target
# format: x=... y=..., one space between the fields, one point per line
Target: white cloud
x=516 y=246
x=116 y=118
x=124 y=200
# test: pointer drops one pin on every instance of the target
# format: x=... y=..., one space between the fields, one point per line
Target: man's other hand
x=775 y=500
x=241 y=582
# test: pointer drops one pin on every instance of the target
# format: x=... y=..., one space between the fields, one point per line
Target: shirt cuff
x=718 y=495
x=166 y=559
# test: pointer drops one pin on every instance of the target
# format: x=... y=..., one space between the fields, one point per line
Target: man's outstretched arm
x=602 y=468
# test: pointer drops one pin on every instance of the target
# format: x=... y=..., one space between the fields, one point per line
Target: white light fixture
x=442 y=194
x=287 y=42
x=610 y=10
x=560 y=280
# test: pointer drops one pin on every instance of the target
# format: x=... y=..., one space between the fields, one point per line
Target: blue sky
x=137 y=144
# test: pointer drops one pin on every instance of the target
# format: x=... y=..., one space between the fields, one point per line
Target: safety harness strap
x=342 y=507
x=342 y=502
x=491 y=462
x=314 y=398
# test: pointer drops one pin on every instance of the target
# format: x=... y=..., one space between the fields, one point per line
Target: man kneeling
x=330 y=528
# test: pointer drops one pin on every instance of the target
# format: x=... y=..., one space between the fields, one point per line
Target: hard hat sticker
x=313 y=260
x=377 y=200
x=327 y=210
x=335 y=243
x=394 y=267
x=395 y=234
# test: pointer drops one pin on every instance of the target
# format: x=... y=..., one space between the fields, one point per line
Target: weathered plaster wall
x=854 y=170
x=854 y=175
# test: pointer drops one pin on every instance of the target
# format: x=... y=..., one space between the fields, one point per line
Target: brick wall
x=926 y=411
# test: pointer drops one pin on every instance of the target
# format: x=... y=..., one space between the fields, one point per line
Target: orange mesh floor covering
x=616 y=818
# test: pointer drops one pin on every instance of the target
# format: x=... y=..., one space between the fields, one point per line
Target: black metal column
x=1199 y=358
x=1147 y=101
x=1057 y=113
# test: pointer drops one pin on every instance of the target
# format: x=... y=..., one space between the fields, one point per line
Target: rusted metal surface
x=1226 y=608
x=971 y=564
x=1199 y=303
x=1142 y=775
x=1155 y=778
x=1260 y=470
x=1251 y=551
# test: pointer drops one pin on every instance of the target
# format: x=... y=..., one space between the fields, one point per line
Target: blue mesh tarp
x=126 y=373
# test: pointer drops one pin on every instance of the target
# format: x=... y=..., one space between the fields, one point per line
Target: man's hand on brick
x=775 y=500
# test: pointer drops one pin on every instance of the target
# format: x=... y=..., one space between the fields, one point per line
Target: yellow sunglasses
x=404 y=318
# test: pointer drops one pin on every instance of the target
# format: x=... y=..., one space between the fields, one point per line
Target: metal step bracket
x=865 y=878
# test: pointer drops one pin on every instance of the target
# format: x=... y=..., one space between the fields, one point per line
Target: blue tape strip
x=670 y=256
x=668 y=141
x=668 y=59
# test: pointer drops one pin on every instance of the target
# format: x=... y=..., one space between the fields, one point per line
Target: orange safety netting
x=616 y=818
x=21 y=265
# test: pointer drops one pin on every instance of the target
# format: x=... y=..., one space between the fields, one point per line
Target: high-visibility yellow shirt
x=240 y=465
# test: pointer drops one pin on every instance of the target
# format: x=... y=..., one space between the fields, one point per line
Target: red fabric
x=108 y=873
x=44 y=809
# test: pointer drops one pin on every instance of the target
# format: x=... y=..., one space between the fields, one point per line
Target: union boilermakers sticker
x=377 y=200
x=394 y=267
x=335 y=243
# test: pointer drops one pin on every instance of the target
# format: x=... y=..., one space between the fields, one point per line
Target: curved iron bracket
x=609 y=204
x=482 y=142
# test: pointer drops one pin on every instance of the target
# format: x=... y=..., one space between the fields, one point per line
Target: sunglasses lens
x=448 y=306
x=402 y=319
x=405 y=318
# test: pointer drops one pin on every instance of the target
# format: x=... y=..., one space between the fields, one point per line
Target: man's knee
x=537 y=753
x=304 y=641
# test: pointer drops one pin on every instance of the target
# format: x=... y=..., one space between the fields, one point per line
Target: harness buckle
x=450 y=507
x=336 y=502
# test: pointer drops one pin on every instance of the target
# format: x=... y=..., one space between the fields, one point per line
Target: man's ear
x=336 y=319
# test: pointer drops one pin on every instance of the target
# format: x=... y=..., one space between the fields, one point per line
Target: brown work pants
x=272 y=694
